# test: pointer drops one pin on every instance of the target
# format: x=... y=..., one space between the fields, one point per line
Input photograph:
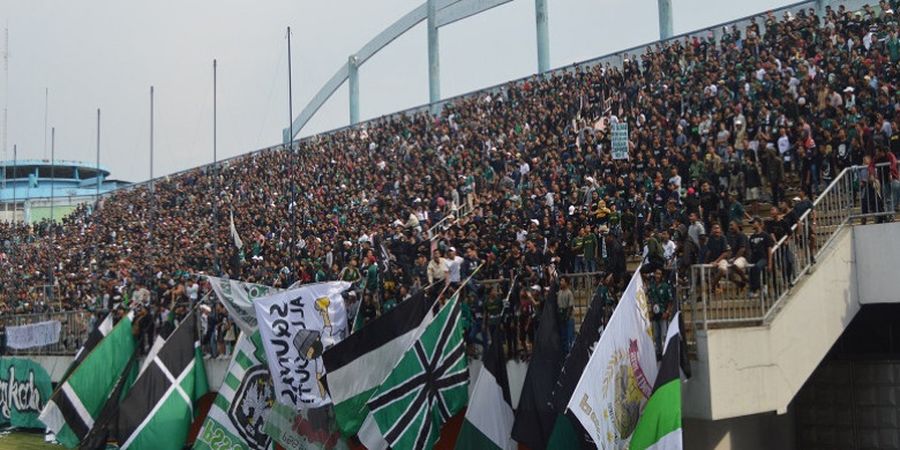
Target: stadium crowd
x=519 y=181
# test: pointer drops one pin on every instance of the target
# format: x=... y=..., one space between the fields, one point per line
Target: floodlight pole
x=97 y=195
x=52 y=173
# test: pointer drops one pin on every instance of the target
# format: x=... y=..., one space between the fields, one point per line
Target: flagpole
x=462 y=285
x=292 y=207
x=215 y=243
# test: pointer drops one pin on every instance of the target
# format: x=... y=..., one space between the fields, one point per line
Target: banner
x=619 y=139
x=238 y=414
x=296 y=327
x=619 y=376
x=306 y=429
x=24 y=390
x=238 y=299
x=33 y=335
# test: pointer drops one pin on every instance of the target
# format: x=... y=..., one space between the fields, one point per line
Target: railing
x=583 y=286
x=75 y=326
x=719 y=295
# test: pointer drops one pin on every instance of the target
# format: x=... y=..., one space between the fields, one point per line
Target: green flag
x=660 y=425
x=75 y=405
x=158 y=410
x=425 y=389
x=237 y=417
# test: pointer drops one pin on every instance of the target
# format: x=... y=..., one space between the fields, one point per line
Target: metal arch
x=449 y=11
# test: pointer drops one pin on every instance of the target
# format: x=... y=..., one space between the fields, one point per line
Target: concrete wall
x=877 y=249
x=760 y=431
x=752 y=370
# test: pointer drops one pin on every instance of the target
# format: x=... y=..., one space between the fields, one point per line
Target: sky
x=91 y=54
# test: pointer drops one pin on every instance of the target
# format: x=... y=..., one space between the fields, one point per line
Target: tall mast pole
x=215 y=173
x=97 y=197
x=292 y=207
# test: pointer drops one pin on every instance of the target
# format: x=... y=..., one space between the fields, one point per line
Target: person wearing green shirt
x=589 y=247
x=893 y=47
x=661 y=295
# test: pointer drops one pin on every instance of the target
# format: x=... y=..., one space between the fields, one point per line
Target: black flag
x=535 y=415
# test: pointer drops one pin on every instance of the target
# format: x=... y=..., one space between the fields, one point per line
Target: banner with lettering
x=296 y=326
x=33 y=335
x=619 y=139
x=24 y=389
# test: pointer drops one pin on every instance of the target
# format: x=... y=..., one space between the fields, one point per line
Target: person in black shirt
x=761 y=244
x=737 y=262
x=781 y=228
x=717 y=253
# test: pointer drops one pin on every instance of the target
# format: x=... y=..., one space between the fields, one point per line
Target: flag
x=306 y=429
x=296 y=326
x=234 y=234
x=567 y=432
x=158 y=410
x=426 y=388
x=357 y=365
x=535 y=415
x=238 y=298
x=75 y=405
x=97 y=437
x=618 y=377
x=237 y=417
x=489 y=418
x=660 y=425
x=94 y=337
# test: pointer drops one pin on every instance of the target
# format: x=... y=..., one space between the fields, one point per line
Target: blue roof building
x=35 y=189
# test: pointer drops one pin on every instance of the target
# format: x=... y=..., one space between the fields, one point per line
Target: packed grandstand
x=751 y=122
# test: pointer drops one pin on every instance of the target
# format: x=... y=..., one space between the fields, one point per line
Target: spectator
x=565 y=303
x=761 y=244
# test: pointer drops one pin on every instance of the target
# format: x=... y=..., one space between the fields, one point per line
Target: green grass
x=20 y=440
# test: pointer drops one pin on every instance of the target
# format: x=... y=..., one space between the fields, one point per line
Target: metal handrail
x=792 y=257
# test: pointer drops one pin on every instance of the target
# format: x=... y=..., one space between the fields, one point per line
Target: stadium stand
x=522 y=179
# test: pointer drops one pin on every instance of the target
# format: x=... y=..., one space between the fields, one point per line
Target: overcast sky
x=106 y=53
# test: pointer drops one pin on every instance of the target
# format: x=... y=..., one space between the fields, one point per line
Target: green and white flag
x=427 y=387
x=75 y=405
x=660 y=425
x=238 y=297
x=357 y=366
x=237 y=417
x=489 y=419
x=158 y=410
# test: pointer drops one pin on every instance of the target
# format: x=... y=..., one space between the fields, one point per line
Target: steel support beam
x=434 y=54
x=353 y=84
x=448 y=11
x=543 y=35
x=665 y=18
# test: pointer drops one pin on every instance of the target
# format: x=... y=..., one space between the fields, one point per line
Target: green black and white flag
x=237 y=417
x=427 y=387
x=158 y=411
x=356 y=366
x=489 y=418
x=75 y=405
x=94 y=337
x=660 y=425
